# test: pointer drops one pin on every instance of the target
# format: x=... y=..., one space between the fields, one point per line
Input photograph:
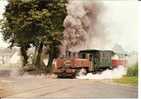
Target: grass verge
x=133 y=80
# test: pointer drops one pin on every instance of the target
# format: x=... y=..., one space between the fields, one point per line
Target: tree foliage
x=34 y=22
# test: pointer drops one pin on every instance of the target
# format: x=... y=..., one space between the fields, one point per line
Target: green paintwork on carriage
x=100 y=58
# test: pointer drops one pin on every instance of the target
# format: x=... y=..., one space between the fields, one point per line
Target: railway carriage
x=100 y=59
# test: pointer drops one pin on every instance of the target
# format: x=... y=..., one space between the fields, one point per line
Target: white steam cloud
x=107 y=74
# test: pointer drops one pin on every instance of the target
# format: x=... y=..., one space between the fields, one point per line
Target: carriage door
x=92 y=63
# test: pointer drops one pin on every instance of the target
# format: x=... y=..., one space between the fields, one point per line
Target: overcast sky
x=2 y=7
x=120 y=19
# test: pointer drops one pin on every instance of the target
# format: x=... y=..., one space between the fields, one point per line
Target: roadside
x=41 y=87
x=131 y=78
x=133 y=81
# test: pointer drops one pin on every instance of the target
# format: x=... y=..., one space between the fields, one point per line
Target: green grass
x=131 y=78
x=132 y=70
x=128 y=80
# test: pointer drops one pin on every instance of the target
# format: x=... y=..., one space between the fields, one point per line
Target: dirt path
x=43 y=87
x=5 y=90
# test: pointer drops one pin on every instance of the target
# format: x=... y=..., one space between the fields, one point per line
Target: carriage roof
x=94 y=51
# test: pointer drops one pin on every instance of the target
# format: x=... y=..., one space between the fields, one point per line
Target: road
x=46 y=87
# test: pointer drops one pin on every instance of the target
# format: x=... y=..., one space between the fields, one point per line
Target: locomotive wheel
x=64 y=75
x=77 y=73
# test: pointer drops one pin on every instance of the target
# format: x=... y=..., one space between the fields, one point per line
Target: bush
x=132 y=70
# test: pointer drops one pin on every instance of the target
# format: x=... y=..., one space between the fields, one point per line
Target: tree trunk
x=35 y=56
x=50 y=57
x=38 y=58
x=24 y=55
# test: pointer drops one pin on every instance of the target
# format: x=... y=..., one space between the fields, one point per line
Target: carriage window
x=83 y=55
x=96 y=61
x=74 y=54
x=90 y=57
x=68 y=54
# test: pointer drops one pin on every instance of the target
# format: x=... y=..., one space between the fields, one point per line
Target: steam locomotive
x=90 y=60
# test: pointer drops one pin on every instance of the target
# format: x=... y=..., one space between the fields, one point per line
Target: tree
x=16 y=26
x=35 y=22
x=53 y=42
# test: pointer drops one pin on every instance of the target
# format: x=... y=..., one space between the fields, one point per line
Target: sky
x=119 y=17
x=2 y=9
x=121 y=20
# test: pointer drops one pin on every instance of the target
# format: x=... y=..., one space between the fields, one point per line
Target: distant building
x=9 y=56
